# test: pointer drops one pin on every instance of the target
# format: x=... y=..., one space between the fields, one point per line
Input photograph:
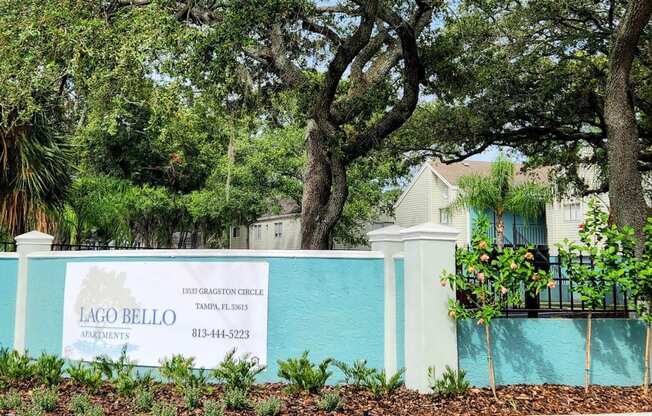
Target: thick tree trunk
x=626 y=199
x=324 y=191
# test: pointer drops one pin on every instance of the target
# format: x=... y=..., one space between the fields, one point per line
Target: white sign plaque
x=158 y=309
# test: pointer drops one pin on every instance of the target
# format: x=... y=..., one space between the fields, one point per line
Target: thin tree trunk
x=500 y=229
x=490 y=358
x=231 y=159
x=324 y=191
x=628 y=206
x=646 y=361
x=587 y=362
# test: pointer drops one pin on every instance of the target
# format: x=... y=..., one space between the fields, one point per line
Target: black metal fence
x=84 y=247
x=563 y=300
x=7 y=246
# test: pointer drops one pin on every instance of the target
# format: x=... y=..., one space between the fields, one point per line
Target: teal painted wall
x=8 y=276
x=536 y=351
x=331 y=306
x=399 y=274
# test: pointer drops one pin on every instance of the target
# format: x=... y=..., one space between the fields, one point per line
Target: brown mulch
x=512 y=400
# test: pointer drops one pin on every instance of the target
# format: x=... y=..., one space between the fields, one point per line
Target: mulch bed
x=512 y=400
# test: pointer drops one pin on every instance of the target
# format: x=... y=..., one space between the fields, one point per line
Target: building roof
x=454 y=171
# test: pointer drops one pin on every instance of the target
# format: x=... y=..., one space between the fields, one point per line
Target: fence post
x=430 y=335
x=31 y=242
x=388 y=240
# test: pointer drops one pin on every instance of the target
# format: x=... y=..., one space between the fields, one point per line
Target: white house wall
x=415 y=205
x=289 y=240
x=559 y=228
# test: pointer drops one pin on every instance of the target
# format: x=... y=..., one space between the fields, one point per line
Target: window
x=258 y=232
x=235 y=232
x=572 y=211
x=444 y=216
x=278 y=229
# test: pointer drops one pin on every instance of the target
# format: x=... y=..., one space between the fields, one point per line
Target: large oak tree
x=566 y=82
x=356 y=63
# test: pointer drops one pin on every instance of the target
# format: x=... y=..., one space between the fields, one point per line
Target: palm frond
x=528 y=199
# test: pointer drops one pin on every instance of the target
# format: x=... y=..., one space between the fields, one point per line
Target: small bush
x=269 y=407
x=237 y=373
x=381 y=385
x=357 y=374
x=48 y=369
x=302 y=374
x=16 y=366
x=10 y=401
x=236 y=399
x=179 y=370
x=29 y=411
x=192 y=396
x=94 y=411
x=330 y=402
x=88 y=376
x=451 y=383
x=143 y=399
x=164 y=409
x=213 y=408
x=45 y=399
x=80 y=404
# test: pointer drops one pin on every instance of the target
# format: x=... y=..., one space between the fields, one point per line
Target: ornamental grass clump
x=612 y=264
x=45 y=398
x=330 y=402
x=269 y=407
x=488 y=281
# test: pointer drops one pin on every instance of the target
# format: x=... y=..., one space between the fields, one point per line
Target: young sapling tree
x=488 y=280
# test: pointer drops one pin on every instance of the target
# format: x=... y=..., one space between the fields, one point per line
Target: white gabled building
x=434 y=188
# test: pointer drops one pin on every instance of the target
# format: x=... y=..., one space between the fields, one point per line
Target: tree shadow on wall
x=515 y=353
x=614 y=344
x=516 y=357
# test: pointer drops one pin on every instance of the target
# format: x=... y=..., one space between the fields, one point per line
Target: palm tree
x=499 y=192
x=35 y=161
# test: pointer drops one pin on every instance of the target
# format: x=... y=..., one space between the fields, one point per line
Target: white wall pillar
x=388 y=240
x=430 y=335
x=26 y=244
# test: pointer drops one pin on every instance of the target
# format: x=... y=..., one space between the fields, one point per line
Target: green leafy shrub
x=269 y=407
x=164 y=409
x=80 y=404
x=330 y=402
x=143 y=399
x=356 y=374
x=94 y=411
x=16 y=366
x=236 y=399
x=302 y=374
x=45 y=398
x=179 y=370
x=451 y=383
x=10 y=400
x=120 y=373
x=88 y=376
x=381 y=385
x=192 y=396
x=29 y=411
x=213 y=408
x=48 y=369
x=237 y=373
